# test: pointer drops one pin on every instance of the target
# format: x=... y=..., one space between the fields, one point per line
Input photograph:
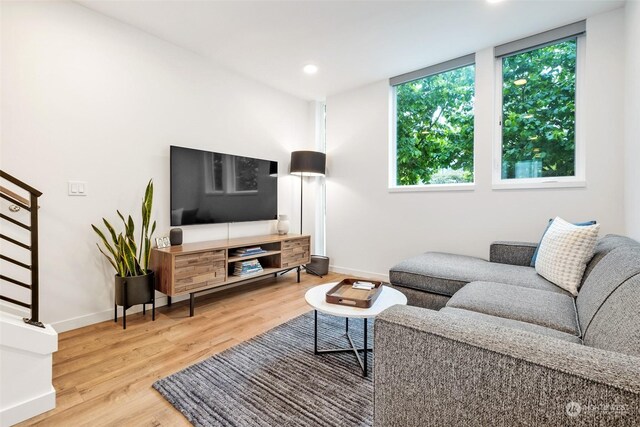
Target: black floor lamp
x=307 y=163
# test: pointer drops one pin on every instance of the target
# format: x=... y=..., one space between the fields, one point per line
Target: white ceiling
x=352 y=42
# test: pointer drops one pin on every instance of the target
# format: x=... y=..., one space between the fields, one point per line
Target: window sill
x=432 y=187
x=533 y=185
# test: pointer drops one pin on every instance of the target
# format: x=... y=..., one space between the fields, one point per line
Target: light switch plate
x=77 y=188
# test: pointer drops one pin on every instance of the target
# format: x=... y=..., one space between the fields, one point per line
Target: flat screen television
x=209 y=188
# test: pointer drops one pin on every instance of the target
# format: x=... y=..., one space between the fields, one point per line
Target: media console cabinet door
x=199 y=270
x=295 y=252
x=162 y=266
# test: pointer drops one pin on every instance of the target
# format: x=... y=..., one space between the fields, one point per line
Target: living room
x=95 y=94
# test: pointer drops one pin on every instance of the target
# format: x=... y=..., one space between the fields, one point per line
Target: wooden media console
x=196 y=267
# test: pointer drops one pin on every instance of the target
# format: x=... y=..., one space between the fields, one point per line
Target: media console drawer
x=295 y=252
x=199 y=270
x=200 y=258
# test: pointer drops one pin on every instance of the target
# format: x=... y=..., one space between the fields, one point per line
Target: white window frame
x=393 y=187
x=579 y=179
x=320 y=237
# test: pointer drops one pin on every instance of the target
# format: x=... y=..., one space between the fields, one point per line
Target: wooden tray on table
x=344 y=294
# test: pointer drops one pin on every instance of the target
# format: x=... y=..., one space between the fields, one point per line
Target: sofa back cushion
x=599 y=302
x=616 y=325
x=603 y=247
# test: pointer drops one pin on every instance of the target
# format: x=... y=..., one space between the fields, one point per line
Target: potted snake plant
x=128 y=258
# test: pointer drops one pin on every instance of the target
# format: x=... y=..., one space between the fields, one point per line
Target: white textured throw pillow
x=564 y=253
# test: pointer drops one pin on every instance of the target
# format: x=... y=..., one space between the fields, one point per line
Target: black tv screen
x=208 y=187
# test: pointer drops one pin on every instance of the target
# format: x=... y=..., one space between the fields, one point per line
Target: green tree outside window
x=538 y=113
x=434 y=128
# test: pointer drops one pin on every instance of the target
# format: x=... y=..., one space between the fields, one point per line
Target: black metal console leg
x=366 y=352
x=144 y=309
x=115 y=312
x=299 y=274
x=192 y=300
x=346 y=324
x=168 y=301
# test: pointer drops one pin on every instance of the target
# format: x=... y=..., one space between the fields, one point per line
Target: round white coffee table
x=316 y=298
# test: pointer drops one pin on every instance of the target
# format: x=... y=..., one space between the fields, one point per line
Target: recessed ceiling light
x=310 y=69
x=494 y=1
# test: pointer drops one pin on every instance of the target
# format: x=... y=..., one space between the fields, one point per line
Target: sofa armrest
x=435 y=366
x=514 y=253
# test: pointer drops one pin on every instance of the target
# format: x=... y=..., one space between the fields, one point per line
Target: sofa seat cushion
x=445 y=274
x=514 y=324
x=543 y=308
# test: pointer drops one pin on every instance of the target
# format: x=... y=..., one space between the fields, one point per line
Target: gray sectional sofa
x=493 y=343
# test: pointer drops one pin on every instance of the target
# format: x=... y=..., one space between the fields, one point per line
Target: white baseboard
x=92 y=318
x=101 y=316
x=359 y=273
x=28 y=409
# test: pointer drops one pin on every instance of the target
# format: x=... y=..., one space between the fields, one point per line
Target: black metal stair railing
x=30 y=205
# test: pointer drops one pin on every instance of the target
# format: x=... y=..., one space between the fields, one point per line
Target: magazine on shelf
x=243 y=268
x=249 y=251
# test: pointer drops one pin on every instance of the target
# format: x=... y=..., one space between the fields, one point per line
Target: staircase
x=26 y=344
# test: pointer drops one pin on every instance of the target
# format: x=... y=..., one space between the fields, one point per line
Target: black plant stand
x=126 y=306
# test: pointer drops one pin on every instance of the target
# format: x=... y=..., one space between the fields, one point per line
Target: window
x=214 y=172
x=433 y=132
x=538 y=144
x=230 y=174
x=245 y=175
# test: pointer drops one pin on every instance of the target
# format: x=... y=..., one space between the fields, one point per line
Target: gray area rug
x=275 y=379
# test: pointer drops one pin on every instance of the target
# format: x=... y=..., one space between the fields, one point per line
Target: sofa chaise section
x=441 y=274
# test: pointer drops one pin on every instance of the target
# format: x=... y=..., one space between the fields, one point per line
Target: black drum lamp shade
x=308 y=163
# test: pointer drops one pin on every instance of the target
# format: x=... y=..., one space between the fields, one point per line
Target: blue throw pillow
x=535 y=254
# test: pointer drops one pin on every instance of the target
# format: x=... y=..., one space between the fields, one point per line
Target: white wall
x=87 y=98
x=370 y=229
x=631 y=119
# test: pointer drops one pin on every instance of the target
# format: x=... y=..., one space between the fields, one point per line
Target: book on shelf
x=243 y=268
x=249 y=251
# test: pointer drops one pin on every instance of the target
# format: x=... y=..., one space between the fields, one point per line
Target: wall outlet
x=77 y=188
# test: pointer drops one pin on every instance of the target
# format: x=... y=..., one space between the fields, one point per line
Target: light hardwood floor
x=103 y=374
